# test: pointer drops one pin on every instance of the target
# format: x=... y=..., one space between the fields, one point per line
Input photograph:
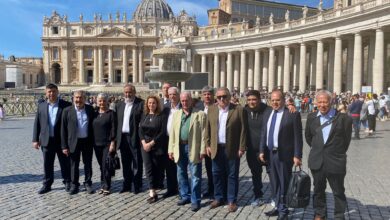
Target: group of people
x=170 y=136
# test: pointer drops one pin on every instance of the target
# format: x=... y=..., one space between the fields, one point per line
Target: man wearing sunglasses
x=226 y=143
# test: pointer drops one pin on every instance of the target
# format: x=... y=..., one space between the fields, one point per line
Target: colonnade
x=341 y=63
x=103 y=67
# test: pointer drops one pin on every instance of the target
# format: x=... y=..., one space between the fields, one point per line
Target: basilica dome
x=153 y=9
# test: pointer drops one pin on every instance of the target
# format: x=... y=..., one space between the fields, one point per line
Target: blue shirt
x=52 y=114
x=82 y=120
x=323 y=119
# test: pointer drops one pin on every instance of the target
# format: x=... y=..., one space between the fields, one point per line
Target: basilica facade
x=341 y=49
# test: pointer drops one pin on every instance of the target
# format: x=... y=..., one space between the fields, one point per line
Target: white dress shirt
x=170 y=117
x=126 y=117
x=277 y=126
x=222 y=121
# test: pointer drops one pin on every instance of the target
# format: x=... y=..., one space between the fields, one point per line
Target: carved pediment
x=115 y=33
x=55 y=19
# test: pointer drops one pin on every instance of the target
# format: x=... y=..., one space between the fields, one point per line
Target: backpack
x=298 y=192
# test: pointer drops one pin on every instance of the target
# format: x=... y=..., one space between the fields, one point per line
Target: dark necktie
x=271 y=131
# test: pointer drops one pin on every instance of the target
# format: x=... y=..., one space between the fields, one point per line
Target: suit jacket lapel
x=59 y=110
x=74 y=115
x=334 y=124
x=317 y=124
x=230 y=113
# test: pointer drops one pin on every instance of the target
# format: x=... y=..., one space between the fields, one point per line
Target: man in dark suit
x=77 y=139
x=165 y=96
x=47 y=136
x=328 y=133
x=225 y=144
x=129 y=115
x=207 y=101
x=282 y=138
x=169 y=166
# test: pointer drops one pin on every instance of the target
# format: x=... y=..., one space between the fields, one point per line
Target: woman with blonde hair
x=152 y=133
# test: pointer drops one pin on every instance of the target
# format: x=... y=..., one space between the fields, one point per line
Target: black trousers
x=49 y=154
x=152 y=163
x=171 y=174
x=86 y=151
x=336 y=182
x=280 y=174
x=131 y=164
x=102 y=152
x=256 y=169
x=209 y=172
x=371 y=122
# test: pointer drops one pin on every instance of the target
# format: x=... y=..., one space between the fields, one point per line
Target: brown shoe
x=215 y=203
x=232 y=207
x=318 y=217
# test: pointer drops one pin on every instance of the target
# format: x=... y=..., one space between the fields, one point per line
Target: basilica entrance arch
x=56 y=73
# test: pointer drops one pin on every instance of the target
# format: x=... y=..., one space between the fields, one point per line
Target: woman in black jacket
x=152 y=133
x=104 y=130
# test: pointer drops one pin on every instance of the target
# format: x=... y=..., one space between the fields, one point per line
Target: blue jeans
x=225 y=176
x=186 y=191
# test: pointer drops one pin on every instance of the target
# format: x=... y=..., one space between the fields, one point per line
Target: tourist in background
x=354 y=110
x=152 y=133
x=382 y=108
x=2 y=113
x=187 y=149
x=104 y=130
x=372 y=109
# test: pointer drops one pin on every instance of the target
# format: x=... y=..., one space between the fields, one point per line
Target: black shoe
x=195 y=207
x=183 y=202
x=169 y=194
x=73 y=190
x=67 y=187
x=273 y=212
x=89 y=188
x=44 y=189
x=283 y=216
x=137 y=190
x=124 y=189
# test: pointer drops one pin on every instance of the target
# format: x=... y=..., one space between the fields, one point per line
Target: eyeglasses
x=222 y=97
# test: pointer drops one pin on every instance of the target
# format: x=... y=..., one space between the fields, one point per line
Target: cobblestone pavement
x=21 y=167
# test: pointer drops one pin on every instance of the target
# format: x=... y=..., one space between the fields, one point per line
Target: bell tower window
x=54 y=30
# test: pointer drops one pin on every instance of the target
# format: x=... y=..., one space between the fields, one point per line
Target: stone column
x=331 y=54
x=349 y=65
x=210 y=69
x=313 y=64
x=280 y=69
x=296 y=70
x=257 y=76
x=370 y=62
x=141 y=64
x=320 y=65
x=271 y=69
x=250 y=70
x=110 y=67
x=357 y=64
x=203 y=67
x=46 y=64
x=265 y=70
x=81 y=66
x=338 y=61
x=243 y=72
x=154 y=61
x=95 y=65
x=286 y=72
x=135 y=65
x=65 y=65
x=101 y=65
x=302 y=68
x=216 y=71
x=236 y=71
x=183 y=69
x=229 y=67
x=223 y=71
x=125 y=76
x=378 y=71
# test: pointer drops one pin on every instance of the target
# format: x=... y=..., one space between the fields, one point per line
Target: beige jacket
x=196 y=136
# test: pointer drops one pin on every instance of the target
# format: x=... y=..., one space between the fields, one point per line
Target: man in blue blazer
x=77 y=139
x=47 y=136
x=282 y=139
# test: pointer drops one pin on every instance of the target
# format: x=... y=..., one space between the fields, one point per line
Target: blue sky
x=21 y=20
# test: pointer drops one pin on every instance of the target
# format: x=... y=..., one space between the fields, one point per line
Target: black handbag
x=117 y=162
x=298 y=192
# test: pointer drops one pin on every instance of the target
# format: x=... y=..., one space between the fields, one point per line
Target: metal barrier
x=20 y=109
